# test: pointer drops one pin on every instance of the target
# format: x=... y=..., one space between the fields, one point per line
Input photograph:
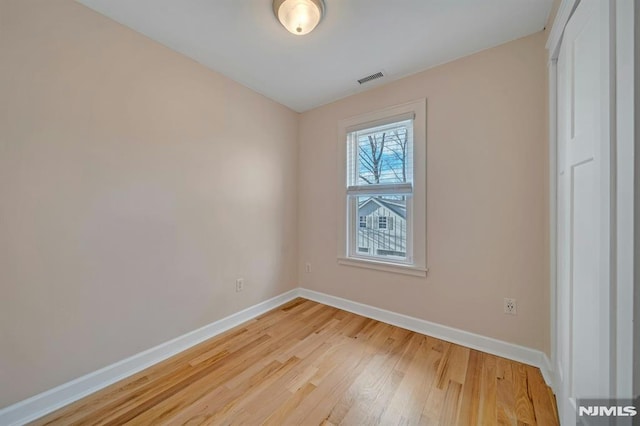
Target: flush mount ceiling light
x=299 y=17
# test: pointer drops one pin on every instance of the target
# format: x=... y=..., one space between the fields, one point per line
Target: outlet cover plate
x=510 y=306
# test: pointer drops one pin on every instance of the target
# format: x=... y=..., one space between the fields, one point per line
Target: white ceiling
x=242 y=39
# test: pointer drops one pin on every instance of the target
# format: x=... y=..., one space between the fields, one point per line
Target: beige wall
x=124 y=222
x=135 y=186
x=487 y=221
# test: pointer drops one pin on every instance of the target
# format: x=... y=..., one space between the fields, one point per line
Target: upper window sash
x=391 y=157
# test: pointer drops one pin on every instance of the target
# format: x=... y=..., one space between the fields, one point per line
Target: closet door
x=584 y=206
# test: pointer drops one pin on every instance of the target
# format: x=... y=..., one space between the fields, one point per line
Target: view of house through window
x=379 y=190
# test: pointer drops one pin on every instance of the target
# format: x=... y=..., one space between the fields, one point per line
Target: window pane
x=378 y=238
x=384 y=154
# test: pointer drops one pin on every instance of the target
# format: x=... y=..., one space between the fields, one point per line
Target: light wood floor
x=309 y=364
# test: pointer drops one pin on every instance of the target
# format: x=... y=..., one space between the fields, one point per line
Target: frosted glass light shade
x=299 y=17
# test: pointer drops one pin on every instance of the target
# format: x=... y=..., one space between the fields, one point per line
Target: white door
x=583 y=280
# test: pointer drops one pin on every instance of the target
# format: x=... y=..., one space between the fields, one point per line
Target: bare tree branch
x=394 y=171
x=377 y=149
x=365 y=179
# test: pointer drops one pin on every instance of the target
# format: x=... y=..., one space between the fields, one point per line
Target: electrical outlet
x=239 y=284
x=510 y=306
x=307 y=267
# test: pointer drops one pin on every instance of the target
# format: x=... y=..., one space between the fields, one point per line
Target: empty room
x=319 y=212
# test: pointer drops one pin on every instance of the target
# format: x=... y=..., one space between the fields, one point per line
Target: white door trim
x=565 y=10
x=553 y=195
x=554 y=41
x=623 y=185
x=624 y=158
x=553 y=47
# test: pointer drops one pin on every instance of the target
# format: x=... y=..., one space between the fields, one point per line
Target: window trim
x=379 y=265
x=417 y=264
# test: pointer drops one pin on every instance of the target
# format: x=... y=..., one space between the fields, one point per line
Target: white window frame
x=416 y=262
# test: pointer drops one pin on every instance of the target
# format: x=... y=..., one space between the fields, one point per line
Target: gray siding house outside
x=382 y=227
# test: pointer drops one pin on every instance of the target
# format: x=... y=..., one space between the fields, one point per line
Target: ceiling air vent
x=370 y=77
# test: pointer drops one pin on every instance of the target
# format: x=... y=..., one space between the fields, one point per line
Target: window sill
x=384 y=266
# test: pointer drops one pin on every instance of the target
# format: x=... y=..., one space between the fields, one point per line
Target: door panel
x=584 y=280
x=582 y=207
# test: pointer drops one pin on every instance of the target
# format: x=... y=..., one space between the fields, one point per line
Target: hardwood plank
x=524 y=404
x=488 y=409
x=284 y=410
x=306 y=363
x=452 y=368
x=266 y=395
x=376 y=379
x=240 y=393
x=451 y=404
x=543 y=406
x=269 y=392
x=425 y=370
x=181 y=402
x=470 y=405
x=148 y=377
x=554 y=403
x=408 y=400
x=313 y=412
x=505 y=395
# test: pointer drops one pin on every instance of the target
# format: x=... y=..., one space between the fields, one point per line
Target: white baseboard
x=53 y=399
x=44 y=403
x=475 y=341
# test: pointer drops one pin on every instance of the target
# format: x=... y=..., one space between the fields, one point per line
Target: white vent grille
x=370 y=77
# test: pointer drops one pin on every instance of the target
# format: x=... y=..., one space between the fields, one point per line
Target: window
x=380 y=182
x=382 y=223
x=383 y=187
